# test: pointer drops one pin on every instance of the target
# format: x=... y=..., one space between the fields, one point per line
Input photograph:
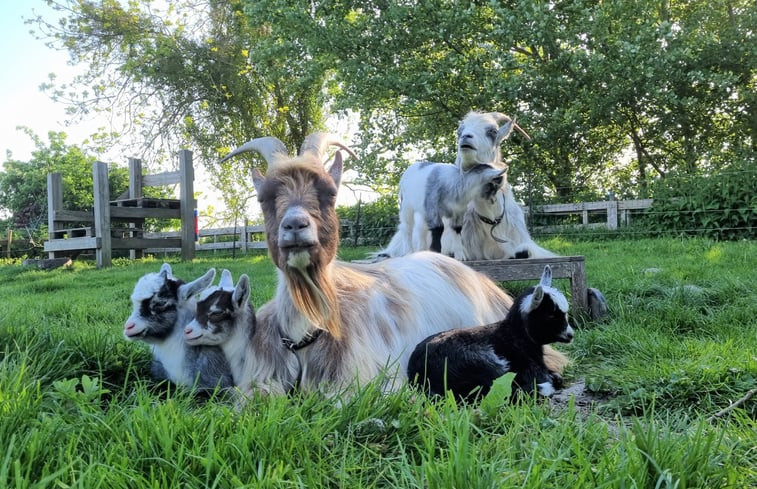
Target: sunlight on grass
x=78 y=408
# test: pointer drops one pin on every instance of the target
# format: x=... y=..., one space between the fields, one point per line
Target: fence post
x=612 y=212
x=356 y=226
x=188 y=204
x=104 y=251
x=10 y=240
x=54 y=204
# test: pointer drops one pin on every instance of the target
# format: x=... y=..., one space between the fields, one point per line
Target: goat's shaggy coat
x=162 y=306
x=225 y=318
x=466 y=362
x=434 y=196
x=494 y=228
x=372 y=314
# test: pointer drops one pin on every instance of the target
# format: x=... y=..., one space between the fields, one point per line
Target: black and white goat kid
x=467 y=361
x=162 y=306
x=254 y=348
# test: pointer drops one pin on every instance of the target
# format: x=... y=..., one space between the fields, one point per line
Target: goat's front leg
x=436 y=239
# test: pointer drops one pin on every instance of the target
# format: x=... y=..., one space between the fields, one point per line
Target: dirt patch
x=583 y=400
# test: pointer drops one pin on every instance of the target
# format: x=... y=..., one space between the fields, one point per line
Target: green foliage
x=721 y=205
x=23 y=184
x=370 y=224
x=189 y=74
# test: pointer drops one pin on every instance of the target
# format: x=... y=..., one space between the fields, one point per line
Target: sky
x=28 y=62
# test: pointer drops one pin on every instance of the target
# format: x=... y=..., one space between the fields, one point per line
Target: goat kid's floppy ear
x=226 y=282
x=241 y=293
x=546 y=277
x=196 y=286
x=165 y=270
x=257 y=180
x=536 y=298
x=335 y=171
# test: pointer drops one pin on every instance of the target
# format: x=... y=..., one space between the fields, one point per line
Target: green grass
x=78 y=409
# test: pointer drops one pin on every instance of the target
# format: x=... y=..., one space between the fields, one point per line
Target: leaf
x=501 y=390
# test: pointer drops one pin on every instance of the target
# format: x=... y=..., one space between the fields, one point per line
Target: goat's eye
x=491 y=134
x=216 y=316
x=161 y=306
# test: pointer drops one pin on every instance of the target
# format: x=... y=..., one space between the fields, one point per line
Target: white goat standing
x=434 y=196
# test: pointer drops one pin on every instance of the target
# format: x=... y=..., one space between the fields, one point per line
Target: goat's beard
x=314 y=295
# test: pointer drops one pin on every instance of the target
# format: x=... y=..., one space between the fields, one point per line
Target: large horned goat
x=347 y=322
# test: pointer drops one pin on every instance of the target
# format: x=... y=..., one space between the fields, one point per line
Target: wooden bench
x=570 y=267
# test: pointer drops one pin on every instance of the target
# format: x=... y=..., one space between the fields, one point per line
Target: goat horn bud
x=317 y=143
x=269 y=147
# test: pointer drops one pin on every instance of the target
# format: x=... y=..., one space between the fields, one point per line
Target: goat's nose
x=295 y=223
x=129 y=325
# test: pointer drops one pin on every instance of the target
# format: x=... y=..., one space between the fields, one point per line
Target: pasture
x=78 y=409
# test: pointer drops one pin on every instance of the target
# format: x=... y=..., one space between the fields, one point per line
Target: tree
x=197 y=74
x=23 y=184
x=673 y=80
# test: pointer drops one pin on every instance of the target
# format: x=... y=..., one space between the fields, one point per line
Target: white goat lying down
x=162 y=306
x=352 y=322
x=493 y=228
x=434 y=196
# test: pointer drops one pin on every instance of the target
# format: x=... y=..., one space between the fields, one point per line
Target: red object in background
x=197 y=227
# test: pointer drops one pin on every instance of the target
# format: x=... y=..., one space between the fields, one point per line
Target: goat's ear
x=226 y=282
x=165 y=270
x=257 y=180
x=336 y=168
x=536 y=298
x=196 y=286
x=546 y=276
x=504 y=132
x=241 y=294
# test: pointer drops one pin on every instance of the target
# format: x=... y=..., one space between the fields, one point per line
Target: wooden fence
x=243 y=238
x=617 y=211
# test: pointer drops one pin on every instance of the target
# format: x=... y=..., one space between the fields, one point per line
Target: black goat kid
x=467 y=361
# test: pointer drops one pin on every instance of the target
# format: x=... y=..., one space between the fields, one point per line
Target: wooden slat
x=571 y=267
x=63 y=215
x=142 y=243
x=161 y=179
x=90 y=243
x=138 y=212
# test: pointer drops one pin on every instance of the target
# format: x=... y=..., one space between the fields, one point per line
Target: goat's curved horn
x=505 y=118
x=269 y=147
x=317 y=143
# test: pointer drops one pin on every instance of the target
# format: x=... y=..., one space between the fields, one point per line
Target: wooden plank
x=525 y=268
x=54 y=203
x=188 y=204
x=103 y=254
x=86 y=243
x=135 y=178
x=162 y=179
x=63 y=215
x=138 y=212
x=142 y=243
x=571 y=267
x=635 y=204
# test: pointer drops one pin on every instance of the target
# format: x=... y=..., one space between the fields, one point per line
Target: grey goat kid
x=434 y=196
x=253 y=347
x=162 y=306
